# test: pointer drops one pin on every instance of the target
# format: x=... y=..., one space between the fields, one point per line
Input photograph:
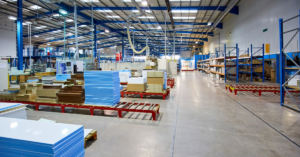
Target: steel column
x=282 y=64
x=225 y=62
x=20 y=35
x=122 y=48
x=95 y=41
x=263 y=61
x=237 y=63
x=251 y=49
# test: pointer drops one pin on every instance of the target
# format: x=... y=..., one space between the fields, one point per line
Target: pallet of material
x=26 y=97
x=46 y=100
x=47 y=93
x=91 y=136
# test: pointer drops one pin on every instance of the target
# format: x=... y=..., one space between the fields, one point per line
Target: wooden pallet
x=91 y=136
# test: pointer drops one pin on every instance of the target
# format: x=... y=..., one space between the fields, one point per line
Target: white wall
x=254 y=16
x=8 y=41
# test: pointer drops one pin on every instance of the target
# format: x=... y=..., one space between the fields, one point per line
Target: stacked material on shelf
x=61 y=83
x=13 y=110
x=137 y=84
x=71 y=94
x=33 y=79
x=10 y=93
x=155 y=81
x=78 y=78
x=102 y=88
x=19 y=137
x=48 y=93
x=31 y=88
x=23 y=95
x=124 y=76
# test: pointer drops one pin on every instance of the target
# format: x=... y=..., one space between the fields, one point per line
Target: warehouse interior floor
x=200 y=118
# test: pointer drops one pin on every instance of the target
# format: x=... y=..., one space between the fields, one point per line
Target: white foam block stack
x=29 y=138
x=13 y=110
x=124 y=76
x=139 y=80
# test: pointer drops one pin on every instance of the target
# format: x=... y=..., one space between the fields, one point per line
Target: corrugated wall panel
x=255 y=16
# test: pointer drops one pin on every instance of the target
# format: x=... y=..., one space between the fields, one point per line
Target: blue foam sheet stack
x=29 y=138
x=102 y=88
x=63 y=77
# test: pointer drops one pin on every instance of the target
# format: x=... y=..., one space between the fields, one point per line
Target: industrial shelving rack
x=256 y=65
x=283 y=55
x=226 y=56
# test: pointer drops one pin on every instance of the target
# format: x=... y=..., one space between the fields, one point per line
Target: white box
x=152 y=63
x=139 y=80
x=124 y=76
x=293 y=82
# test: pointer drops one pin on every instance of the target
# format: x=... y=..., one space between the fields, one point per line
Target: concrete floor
x=200 y=118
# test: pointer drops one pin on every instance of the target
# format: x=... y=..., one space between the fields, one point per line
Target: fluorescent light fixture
x=89 y=1
x=36 y=36
x=92 y=30
x=56 y=31
x=158 y=27
x=130 y=0
x=209 y=23
x=113 y=16
x=184 y=11
x=146 y=17
x=55 y=15
x=26 y=23
x=129 y=27
x=185 y=18
x=196 y=42
x=48 y=44
x=12 y=18
x=106 y=31
x=108 y=11
x=40 y=27
x=69 y=20
x=63 y=12
x=137 y=11
x=69 y=34
x=49 y=38
x=82 y=26
x=144 y=3
x=34 y=7
x=184 y=0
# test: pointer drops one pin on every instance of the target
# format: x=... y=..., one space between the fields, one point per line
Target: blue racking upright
x=254 y=56
x=229 y=57
x=283 y=56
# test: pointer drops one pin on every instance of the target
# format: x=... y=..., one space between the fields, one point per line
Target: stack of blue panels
x=102 y=88
x=29 y=138
x=63 y=77
x=8 y=106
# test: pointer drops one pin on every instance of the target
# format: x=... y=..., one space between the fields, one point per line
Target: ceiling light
x=36 y=36
x=34 y=7
x=69 y=34
x=40 y=27
x=12 y=18
x=209 y=23
x=105 y=11
x=106 y=31
x=129 y=27
x=55 y=15
x=196 y=42
x=92 y=30
x=26 y=23
x=63 y=12
x=69 y=20
x=184 y=0
x=158 y=27
x=144 y=3
x=49 y=38
x=146 y=17
x=187 y=18
x=137 y=11
x=130 y=0
x=82 y=26
x=89 y=1
x=184 y=11
x=48 y=44
x=56 y=31
x=113 y=16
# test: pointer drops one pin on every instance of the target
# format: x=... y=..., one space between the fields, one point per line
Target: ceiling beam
x=170 y=13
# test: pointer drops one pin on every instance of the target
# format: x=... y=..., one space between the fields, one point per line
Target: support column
x=20 y=35
x=123 y=48
x=95 y=40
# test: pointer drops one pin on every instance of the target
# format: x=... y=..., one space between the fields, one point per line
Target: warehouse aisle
x=198 y=119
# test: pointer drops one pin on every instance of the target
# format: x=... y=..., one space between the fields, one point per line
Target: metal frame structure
x=251 y=57
x=236 y=48
x=142 y=94
x=120 y=107
x=283 y=57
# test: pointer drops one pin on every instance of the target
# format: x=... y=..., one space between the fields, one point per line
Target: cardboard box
x=136 y=87
x=26 y=97
x=155 y=88
x=139 y=80
x=155 y=80
x=155 y=74
x=148 y=67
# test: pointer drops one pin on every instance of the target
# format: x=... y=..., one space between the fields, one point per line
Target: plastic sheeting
x=102 y=88
x=63 y=77
x=29 y=138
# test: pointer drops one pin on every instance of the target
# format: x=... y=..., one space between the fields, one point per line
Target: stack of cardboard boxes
x=9 y=94
x=71 y=94
x=23 y=95
x=155 y=81
x=78 y=78
x=137 y=84
x=47 y=94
